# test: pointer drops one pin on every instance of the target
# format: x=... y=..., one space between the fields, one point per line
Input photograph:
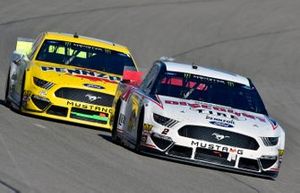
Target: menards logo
x=82 y=73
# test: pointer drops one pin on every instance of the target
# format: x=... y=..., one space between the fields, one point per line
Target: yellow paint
x=62 y=79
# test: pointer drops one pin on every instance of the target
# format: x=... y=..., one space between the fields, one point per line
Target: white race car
x=199 y=115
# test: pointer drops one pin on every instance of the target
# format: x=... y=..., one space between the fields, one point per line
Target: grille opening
x=213 y=156
x=161 y=143
x=87 y=115
x=57 y=110
x=266 y=163
x=181 y=151
x=86 y=96
x=249 y=164
x=210 y=134
x=40 y=103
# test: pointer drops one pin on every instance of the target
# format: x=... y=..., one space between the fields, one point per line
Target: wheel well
x=7 y=85
x=141 y=117
x=141 y=120
x=139 y=130
x=22 y=90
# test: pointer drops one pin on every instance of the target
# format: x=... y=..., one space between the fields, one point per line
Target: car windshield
x=84 y=56
x=210 y=90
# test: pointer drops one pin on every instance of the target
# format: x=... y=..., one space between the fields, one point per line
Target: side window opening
x=35 y=46
x=149 y=80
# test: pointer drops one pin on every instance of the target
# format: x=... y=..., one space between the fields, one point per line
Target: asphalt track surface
x=257 y=38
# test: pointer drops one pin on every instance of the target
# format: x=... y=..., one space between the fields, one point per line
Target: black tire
x=6 y=100
x=22 y=93
x=114 y=133
x=139 y=132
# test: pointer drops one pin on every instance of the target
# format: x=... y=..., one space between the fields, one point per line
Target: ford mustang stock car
x=66 y=77
x=198 y=115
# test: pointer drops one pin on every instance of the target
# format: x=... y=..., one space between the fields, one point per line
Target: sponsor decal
x=129 y=90
x=274 y=124
x=220 y=137
x=125 y=95
x=280 y=152
x=88 y=74
x=280 y=157
x=231 y=157
x=216 y=110
x=220 y=122
x=26 y=96
x=43 y=93
x=215 y=147
x=147 y=127
x=89 y=107
x=94 y=86
x=122 y=119
x=144 y=138
x=132 y=121
x=92 y=98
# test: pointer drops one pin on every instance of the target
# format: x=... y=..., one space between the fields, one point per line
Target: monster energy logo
x=231 y=84
x=186 y=75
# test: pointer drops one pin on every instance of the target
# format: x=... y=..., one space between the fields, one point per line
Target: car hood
x=71 y=76
x=191 y=112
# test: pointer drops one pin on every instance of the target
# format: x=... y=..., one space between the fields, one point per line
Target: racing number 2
x=165 y=131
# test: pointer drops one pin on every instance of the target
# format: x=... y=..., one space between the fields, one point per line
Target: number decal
x=165 y=131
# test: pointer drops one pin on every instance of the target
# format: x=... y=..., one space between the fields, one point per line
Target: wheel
x=22 y=93
x=139 y=132
x=114 y=133
x=6 y=100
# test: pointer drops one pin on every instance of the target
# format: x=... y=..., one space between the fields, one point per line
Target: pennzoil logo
x=89 y=107
x=82 y=73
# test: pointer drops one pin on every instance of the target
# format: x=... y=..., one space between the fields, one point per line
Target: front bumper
x=46 y=104
x=238 y=160
x=156 y=153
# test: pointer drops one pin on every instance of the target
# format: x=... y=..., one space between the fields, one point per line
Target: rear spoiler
x=24 y=46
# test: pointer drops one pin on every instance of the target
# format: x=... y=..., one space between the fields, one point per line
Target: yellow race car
x=66 y=77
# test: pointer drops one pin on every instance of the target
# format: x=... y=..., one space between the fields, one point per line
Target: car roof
x=204 y=71
x=86 y=40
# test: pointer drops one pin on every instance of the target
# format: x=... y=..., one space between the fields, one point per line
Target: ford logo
x=221 y=124
x=94 y=86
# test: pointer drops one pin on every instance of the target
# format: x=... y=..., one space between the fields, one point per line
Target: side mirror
x=132 y=77
x=16 y=58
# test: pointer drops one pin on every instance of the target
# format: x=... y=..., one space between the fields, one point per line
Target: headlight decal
x=165 y=121
x=270 y=141
x=42 y=83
